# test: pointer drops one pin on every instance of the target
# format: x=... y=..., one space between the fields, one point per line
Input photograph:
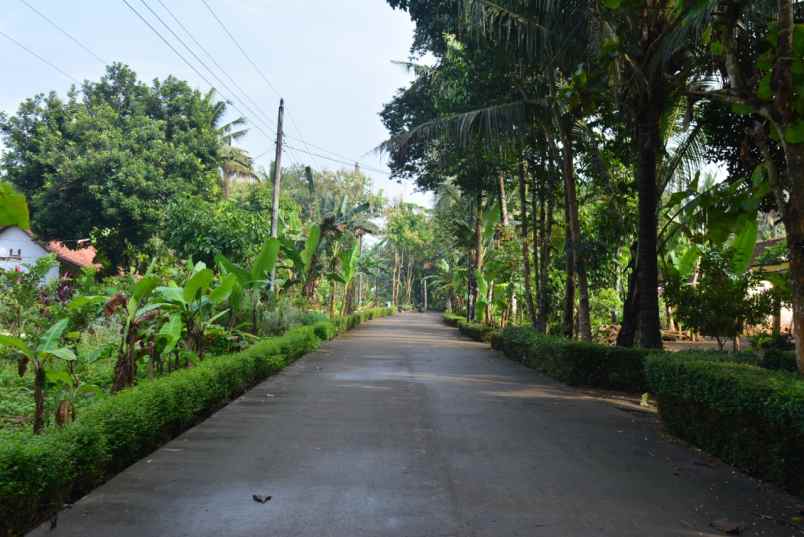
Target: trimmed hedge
x=452 y=319
x=470 y=329
x=353 y=320
x=476 y=331
x=749 y=417
x=574 y=362
x=38 y=474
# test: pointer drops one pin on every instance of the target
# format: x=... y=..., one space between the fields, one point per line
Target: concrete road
x=402 y=428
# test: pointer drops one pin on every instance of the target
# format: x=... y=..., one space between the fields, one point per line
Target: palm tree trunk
x=477 y=262
x=524 y=239
x=584 y=324
x=569 y=289
x=409 y=280
x=648 y=143
x=628 y=328
x=503 y=201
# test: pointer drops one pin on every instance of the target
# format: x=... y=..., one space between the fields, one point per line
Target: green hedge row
x=470 y=329
x=38 y=474
x=476 y=331
x=350 y=321
x=749 y=417
x=574 y=362
x=452 y=319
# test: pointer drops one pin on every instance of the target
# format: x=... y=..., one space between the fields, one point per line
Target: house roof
x=82 y=257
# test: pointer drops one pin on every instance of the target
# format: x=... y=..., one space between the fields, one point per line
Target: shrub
x=574 y=362
x=779 y=360
x=452 y=319
x=476 y=331
x=749 y=417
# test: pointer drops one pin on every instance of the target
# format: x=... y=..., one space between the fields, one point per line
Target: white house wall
x=14 y=239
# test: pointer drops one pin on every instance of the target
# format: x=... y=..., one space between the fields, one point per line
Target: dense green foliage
x=600 y=119
x=476 y=331
x=745 y=415
x=104 y=162
x=574 y=362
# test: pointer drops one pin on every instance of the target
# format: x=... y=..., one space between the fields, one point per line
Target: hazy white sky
x=330 y=60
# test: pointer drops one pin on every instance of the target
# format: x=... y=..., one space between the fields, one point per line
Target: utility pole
x=277 y=180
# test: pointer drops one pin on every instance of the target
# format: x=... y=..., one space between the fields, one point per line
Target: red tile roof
x=82 y=257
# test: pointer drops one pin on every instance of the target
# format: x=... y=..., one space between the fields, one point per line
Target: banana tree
x=46 y=351
x=304 y=258
x=349 y=258
x=192 y=308
x=137 y=315
x=253 y=280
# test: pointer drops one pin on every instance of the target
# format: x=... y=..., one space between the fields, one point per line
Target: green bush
x=574 y=362
x=39 y=473
x=749 y=417
x=779 y=360
x=350 y=321
x=773 y=359
x=452 y=319
x=476 y=331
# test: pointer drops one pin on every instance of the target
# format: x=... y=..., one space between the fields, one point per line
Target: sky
x=330 y=60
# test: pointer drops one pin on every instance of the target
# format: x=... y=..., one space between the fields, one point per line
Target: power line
x=199 y=60
x=215 y=62
x=253 y=64
x=190 y=65
x=256 y=67
x=65 y=32
x=40 y=58
x=339 y=161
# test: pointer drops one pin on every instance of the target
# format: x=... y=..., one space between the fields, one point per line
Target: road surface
x=402 y=428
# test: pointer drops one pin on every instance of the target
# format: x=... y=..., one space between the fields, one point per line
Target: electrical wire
x=40 y=58
x=187 y=62
x=260 y=72
x=199 y=60
x=65 y=32
x=218 y=65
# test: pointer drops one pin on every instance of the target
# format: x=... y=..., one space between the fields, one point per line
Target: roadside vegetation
x=190 y=300
x=617 y=178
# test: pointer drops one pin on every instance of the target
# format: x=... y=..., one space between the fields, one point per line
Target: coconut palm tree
x=234 y=161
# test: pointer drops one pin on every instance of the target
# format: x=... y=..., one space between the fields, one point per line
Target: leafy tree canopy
x=104 y=161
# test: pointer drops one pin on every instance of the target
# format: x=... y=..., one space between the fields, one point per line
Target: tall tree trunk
x=568 y=323
x=794 y=155
x=471 y=285
x=524 y=239
x=503 y=201
x=628 y=328
x=478 y=253
x=543 y=222
x=394 y=297
x=648 y=143
x=794 y=220
x=409 y=280
x=584 y=323
x=537 y=233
